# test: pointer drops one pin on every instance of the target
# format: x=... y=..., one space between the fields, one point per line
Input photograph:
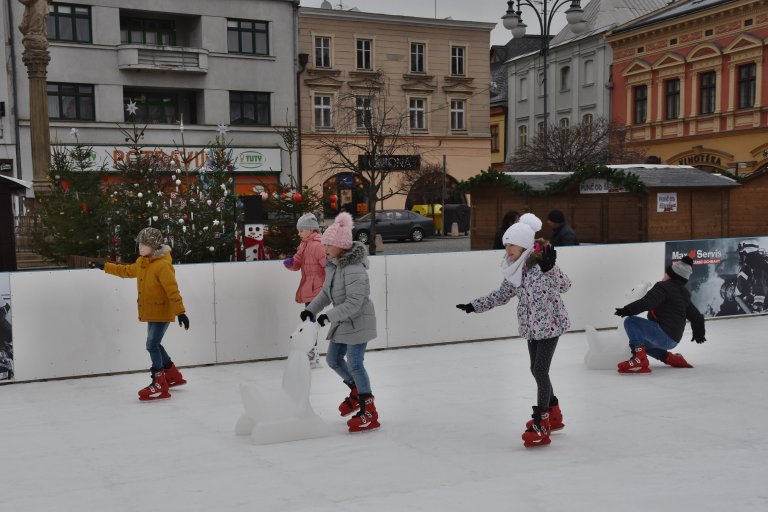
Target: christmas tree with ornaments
x=193 y=205
x=96 y=212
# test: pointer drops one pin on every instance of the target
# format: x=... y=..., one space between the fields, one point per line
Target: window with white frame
x=417 y=111
x=541 y=84
x=522 y=136
x=363 y=111
x=747 y=85
x=565 y=78
x=522 y=92
x=458 y=54
x=640 y=100
x=495 y=138
x=364 y=54
x=587 y=119
x=418 y=58
x=322 y=52
x=458 y=115
x=323 y=111
x=707 y=91
x=564 y=122
x=540 y=127
x=672 y=96
x=589 y=72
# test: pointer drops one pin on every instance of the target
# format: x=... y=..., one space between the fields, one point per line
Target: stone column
x=34 y=27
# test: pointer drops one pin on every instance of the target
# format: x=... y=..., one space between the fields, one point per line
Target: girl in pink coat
x=310 y=259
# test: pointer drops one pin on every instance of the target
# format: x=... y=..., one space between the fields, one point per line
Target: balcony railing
x=162 y=58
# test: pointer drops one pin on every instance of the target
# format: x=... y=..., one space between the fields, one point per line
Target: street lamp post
x=513 y=21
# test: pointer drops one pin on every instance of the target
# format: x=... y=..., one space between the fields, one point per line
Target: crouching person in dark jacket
x=669 y=305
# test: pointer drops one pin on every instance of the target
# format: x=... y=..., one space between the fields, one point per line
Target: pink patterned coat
x=540 y=310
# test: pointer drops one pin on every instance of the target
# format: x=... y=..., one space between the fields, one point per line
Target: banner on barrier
x=6 y=333
x=730 y=275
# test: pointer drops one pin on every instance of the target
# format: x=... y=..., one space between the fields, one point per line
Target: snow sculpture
x=606 y=348
x=285 y=414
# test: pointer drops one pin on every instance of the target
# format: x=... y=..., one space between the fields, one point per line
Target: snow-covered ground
x=674 y=440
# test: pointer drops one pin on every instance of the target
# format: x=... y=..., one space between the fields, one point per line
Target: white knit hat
x=533 y=221
x=519 y=234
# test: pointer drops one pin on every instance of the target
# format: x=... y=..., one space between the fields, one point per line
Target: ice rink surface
x=452 y=416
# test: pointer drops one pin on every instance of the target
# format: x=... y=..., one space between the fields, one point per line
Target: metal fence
x=25 y=225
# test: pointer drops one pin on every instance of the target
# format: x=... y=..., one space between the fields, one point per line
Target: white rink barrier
x=69 y=323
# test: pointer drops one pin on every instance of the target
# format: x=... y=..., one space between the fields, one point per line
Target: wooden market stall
x=623 y=203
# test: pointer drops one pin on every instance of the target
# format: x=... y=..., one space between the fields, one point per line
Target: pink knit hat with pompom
x=339 y=234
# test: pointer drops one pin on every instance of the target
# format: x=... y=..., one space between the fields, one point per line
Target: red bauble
x=297 y=197
x=64 y=185
x=283 y=196
x=333 y=198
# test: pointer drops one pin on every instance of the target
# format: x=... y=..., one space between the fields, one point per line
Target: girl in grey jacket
x=530 y=274
x=352 y=318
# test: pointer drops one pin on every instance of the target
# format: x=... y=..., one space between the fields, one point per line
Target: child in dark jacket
x=530 y=274
x=159 y=304
x=310 y=260
x=669 y=305
x=352 y=319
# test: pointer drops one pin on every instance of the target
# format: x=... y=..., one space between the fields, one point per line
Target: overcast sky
x=468 y=10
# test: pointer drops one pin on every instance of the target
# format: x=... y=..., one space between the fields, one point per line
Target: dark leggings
x=541 y=352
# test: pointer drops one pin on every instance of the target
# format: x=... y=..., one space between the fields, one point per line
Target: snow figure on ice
x=604 y=348
x=276 y=416
x=668 y=305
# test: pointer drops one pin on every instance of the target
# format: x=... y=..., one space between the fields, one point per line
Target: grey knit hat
x=681 y=269
x=152 y=237
x=308 y=221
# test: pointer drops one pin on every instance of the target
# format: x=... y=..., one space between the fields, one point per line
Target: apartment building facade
x=579 y=89
x=225 y=67
x=694 y=83
x=434 y=71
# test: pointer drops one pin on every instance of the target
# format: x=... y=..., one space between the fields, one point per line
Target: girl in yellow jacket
x=159 y=304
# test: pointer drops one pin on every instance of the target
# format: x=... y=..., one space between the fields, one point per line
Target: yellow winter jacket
x=159 y=299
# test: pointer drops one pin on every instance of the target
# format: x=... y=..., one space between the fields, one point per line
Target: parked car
x=394 y=224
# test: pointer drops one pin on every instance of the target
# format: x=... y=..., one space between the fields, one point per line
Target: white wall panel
x=256 y=309
x=83 y=322
x=602 y=275
x=423 y=290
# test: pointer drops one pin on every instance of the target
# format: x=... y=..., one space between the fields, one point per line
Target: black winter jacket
x=564 y=235
x=669 y=304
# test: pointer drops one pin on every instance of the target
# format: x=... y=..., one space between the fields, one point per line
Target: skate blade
x=154 y=399
x=536 y=445
x=365 y=430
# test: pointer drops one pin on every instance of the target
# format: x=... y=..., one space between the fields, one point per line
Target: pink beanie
x=339 y=234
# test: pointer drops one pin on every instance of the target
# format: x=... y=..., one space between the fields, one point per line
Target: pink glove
x=288 y=262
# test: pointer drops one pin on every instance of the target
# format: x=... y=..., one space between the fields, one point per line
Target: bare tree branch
x=567 y=149
x=369 y=133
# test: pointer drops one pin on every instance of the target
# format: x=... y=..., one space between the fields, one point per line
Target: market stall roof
x=15 y=183
x=651 y=175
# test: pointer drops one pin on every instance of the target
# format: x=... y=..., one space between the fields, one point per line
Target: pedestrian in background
x=562 y=233
x=509 y=218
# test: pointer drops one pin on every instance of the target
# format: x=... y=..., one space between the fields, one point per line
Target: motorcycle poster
x=730 y=275
x=6 y=334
